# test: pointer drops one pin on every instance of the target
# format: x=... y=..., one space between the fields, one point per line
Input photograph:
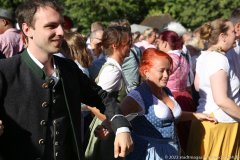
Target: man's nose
x=60 y=30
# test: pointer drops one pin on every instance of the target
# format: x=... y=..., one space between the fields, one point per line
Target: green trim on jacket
x=32 y=65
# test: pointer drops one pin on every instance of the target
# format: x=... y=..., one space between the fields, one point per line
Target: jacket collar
x=32 y=65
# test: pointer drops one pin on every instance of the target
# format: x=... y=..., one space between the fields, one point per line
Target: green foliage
x=84 y=12
x=10 y=4
x=191 y=13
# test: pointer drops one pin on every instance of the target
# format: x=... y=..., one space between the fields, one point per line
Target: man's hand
x=123 y=144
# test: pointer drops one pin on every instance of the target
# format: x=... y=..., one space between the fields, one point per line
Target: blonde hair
x=77 y=49
x=147 y=32
x=210 y=31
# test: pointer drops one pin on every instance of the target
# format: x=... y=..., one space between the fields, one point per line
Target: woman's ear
x=146 y=73
x=222 y=37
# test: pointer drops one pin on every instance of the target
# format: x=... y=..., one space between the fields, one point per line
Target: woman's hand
x=205 y=117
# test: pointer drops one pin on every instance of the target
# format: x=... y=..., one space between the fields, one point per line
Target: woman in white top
x=116 y=42
x=219 y=96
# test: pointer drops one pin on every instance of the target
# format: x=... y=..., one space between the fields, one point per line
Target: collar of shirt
x=113 y=61
x=55 y=76
x=177 y=52
x=11 y=30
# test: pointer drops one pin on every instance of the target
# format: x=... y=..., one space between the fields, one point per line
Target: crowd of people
x=114 y=94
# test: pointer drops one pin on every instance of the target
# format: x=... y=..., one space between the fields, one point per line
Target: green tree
x=193 y=13
x=10 y=4
x=85 y=12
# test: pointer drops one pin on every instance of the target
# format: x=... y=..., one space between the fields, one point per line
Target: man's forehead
x=48 y=12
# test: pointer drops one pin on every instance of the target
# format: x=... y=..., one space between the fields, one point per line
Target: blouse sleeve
x=218 y=62
x=110 y=78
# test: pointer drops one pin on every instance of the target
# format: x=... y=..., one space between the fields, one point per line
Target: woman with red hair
x=172 y=44
x=154 y=132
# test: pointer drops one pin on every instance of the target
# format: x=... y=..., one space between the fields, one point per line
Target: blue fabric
x=130 y=68
x=154 y=138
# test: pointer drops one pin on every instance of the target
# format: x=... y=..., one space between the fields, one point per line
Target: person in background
x=154 y=127
x=186 y=36
x=194 y=47
x=46 y=123
x=136 y=36
x=130 y=66
x=96 y=51
x=219 y=96
x=149 y=38
x=10 y=39
x=76 y=49
x=171 y=43
x=95 y=46
x=116 y=42
x=233 y=54
x=97 y=25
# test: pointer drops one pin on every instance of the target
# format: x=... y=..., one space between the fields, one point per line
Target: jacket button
x=56 y=143
x=54 y=100
x=41 y=141
x=44 y=104
x=54 y=122
x=43 y=123
x=45 y=85
x=51 y=82
x=56 y=133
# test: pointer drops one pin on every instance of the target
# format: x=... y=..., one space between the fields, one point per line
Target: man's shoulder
x=66 y=63
x=10 y=64
x=10 y=61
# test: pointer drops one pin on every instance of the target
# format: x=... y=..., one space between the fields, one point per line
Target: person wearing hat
x=10 y=39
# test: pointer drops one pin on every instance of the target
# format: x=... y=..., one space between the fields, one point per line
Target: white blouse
x=209 y=63
x=111 y=77
x=161 y=109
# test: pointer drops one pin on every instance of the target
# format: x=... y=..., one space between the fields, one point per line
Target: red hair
x=148 y=56
x=175 y=42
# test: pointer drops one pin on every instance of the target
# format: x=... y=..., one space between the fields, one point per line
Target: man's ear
x=27 y=30
x=5 y=22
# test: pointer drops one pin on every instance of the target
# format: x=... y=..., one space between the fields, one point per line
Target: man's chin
x=55 y=50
